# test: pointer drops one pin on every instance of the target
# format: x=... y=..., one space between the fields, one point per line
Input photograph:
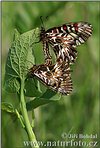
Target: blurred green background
x=77 y=113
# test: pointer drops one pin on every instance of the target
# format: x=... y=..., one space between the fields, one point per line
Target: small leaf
x=48 y=97
x=7 y=107
x=49 y=94
x=20 y=59
x=36 y=103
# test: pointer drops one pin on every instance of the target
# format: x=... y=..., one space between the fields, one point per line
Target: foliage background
x=77 y=113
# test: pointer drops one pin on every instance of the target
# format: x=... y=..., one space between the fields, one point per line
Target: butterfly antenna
x=42 y=21
x=47 y=18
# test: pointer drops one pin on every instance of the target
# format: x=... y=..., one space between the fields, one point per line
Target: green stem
x=28 y=127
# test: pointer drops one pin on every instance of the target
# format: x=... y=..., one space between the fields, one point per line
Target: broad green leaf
x=32 y=88
x=20 y=59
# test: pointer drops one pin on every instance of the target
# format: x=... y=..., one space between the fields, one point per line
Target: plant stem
x=28 y=127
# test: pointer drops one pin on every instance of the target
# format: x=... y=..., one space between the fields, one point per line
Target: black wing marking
x=66 y=38
x=57 y=77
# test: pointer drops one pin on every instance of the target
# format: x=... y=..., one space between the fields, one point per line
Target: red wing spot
x=64 y=27
x=76 y=26
x=55 y=30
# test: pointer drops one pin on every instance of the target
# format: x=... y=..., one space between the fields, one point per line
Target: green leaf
x=51 y=95
x=32 y=88
x=16 y=35
x=48 y=97
x=7 y=107
x=20 y=59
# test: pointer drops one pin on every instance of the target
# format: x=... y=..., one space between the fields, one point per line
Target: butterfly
x=64 y=40
x=56 y=76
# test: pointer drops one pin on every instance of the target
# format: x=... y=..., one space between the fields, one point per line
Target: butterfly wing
x=66 y=38
x=57 y=77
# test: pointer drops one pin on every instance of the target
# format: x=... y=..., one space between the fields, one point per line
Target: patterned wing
x=66 y=38
x=57 y=77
